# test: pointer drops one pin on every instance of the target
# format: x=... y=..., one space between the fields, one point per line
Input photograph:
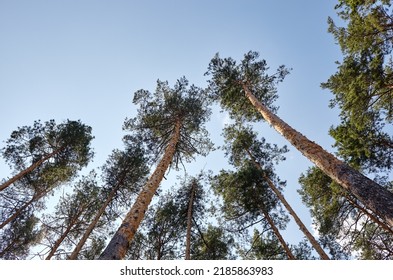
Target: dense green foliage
x=227 y=80
x=362 y=86
x=362 y=90
x=29 y=144
x=159 y=111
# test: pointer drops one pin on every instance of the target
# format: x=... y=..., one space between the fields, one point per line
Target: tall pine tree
x=247 y=91
x=171 y=124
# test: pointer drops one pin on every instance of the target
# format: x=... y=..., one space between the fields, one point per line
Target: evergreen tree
x=248 y=201
x=363 y=84
x=339 y=217
x=123 y=176
x=212 y=244
x=173 y=224
x=54 y=154
x=247 y=91
x=17 y=239
x=242 y=146
x=171 y=124
x=48 y=149
x=264 y=247
x=71 y=216
x=161 y=231
x=192 y=208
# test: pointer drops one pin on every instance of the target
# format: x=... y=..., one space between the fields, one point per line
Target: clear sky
x=84 y=59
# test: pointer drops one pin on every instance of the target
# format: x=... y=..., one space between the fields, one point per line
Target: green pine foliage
x=362 y=85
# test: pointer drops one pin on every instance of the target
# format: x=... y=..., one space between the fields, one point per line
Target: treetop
x=229 y=77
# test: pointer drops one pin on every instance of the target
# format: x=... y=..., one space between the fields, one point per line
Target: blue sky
x=84 y=59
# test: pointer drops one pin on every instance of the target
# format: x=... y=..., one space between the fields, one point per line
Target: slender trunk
x=275 y=229
x=119 y=244
x=201 y=235
x=278 y=234
x=189 y=222
x=29 y=169
x=92 y=225
x=372 y=195
x=59 y=241
x=8 y=248
x=299 y=222
x=368 y=214
x=159 y=249
x=72 y=223
x=35 y=198
x=17 y=212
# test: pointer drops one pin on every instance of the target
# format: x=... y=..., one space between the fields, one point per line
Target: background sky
x=84 y=59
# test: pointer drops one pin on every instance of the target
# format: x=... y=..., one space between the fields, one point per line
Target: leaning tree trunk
x=119 y=244
x=59 y=241
x=372 y=195
x=375 y=219
x=299 y=222
x=29 y=169
x=189 y=222
x=20 y=210
x=92 y=225
x=278 y=234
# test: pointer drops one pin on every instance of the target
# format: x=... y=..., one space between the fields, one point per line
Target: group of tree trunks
x=350 y=211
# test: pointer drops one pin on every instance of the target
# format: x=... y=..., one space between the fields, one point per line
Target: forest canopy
x=54 y=206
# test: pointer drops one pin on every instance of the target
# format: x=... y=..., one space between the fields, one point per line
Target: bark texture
x=372 y=195
x=119 y=244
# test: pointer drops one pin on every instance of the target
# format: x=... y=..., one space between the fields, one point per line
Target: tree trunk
x=73 y=222
x=17 y=212
x=35 y=198
x=92 y=225
x=29 y=169
x=58 y=242
x=372 y=195
x=119 y=244
x=8 y=248
x=279 y=236
x=299 y=222
x=189 y=222
x=368 y=214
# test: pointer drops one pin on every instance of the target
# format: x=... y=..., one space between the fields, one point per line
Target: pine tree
x=340 y=217
x=264 y=247
x=243 y=146
x=192 y=198
x=54 y=152
x=171 y=124
x=71 y=216
x=248 y=201
x=363 y=84
x=161 y=232
x=247 y=91
x=123 y=176
x=17 y=239
x=174 y=223
x=62 y=148
x=212 y=244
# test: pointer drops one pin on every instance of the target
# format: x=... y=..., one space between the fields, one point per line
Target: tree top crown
x=228 y=79
x=159 y=112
